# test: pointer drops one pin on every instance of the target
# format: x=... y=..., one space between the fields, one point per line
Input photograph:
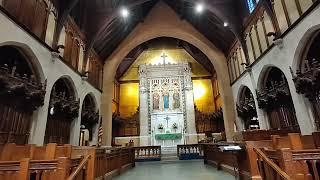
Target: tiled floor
x=184 y=170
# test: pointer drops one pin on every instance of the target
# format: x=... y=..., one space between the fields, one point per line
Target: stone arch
x=168 y=24
x=30 y=55
x=89 y=119
x=304 y=45
x=246 y=108
x=305 y=70
x=22 y=91
x=274 y=97
x=63 y=109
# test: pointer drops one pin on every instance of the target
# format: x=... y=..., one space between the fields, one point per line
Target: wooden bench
x=83 y=163
x=295 y=155
x=13 y=152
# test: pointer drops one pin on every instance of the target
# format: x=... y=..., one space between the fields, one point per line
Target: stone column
x=192 y=137
x=143 y=105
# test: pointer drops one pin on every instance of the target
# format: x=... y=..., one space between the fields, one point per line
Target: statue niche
x=166 y=100
x=176 y=100
x=156 y=99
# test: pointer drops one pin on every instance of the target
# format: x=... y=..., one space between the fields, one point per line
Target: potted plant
x=160 y=127
x=175 y=127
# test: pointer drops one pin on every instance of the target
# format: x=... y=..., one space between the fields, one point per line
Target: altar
x=167 y=115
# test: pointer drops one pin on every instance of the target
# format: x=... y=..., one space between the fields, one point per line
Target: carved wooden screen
x=63 y=109
x=246 y=109
x=89 y=115
x=21 y=93
x=307 y=78
x=73 y=42
x=209 y=122
x=32 y=13
x=95 y=70
x=123 y=127
x=275 y=99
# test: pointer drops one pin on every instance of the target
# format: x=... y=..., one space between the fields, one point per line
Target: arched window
x=252 y=4
x=307 y=78
x=21 y=93
x=246 y=109
x=63 y=109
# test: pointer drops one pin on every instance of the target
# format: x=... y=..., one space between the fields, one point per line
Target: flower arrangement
x=175 y=126
x=160 y=126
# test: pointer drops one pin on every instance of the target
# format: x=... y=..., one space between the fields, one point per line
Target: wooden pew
x=87 y=163
x=296 y=155
x=13 y=152
x=227 y=161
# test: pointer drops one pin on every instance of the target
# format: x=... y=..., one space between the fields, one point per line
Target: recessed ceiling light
x=199 y=8
x=225 y=24
x=124 y=12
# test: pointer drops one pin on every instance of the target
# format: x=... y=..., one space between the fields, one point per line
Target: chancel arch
x=89 y=119
x=167 y=88
x=63 y=109
x=246 y=109
x=307 y=75
x=21 y=94
x=275 y=99
x=159 y=24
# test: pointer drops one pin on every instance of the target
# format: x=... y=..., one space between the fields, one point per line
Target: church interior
x=154 y=89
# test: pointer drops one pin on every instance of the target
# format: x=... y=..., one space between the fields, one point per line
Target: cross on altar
x=167 y=119
x=164 y=56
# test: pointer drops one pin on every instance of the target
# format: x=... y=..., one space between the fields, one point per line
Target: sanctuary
x=167 y=116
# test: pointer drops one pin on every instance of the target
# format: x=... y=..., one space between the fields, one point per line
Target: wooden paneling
x=32 y=13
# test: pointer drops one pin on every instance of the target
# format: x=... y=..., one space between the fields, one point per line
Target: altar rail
x=190 y=151
x=147 y=153
x=84 y=163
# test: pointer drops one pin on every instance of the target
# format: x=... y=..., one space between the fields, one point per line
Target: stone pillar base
x=145 y=140
x=191 y=138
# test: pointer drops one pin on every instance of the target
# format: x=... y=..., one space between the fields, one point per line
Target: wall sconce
x=85 y=75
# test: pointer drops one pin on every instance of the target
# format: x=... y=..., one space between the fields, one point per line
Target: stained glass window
x=251 y=5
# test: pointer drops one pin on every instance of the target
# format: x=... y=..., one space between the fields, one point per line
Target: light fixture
x=52 y=110
x=199 y=8
x=124 y=12
x=225 y=24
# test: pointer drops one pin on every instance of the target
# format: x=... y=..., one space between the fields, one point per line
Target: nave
x=177 y=170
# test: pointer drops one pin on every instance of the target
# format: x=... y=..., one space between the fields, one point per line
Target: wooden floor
x=184 y=170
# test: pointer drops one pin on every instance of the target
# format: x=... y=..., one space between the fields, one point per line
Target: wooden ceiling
x=168 y=43
x=105 y=29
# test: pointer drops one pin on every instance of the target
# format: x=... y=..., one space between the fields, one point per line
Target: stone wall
x=51 y=69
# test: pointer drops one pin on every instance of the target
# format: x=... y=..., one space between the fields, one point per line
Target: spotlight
x=124 y=12
x=199 y=8
x=225 y=24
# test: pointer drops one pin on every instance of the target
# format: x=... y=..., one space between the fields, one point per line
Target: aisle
x=184 y=170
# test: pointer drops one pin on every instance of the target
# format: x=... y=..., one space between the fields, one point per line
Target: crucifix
x=167 y=118
x=164 y=56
